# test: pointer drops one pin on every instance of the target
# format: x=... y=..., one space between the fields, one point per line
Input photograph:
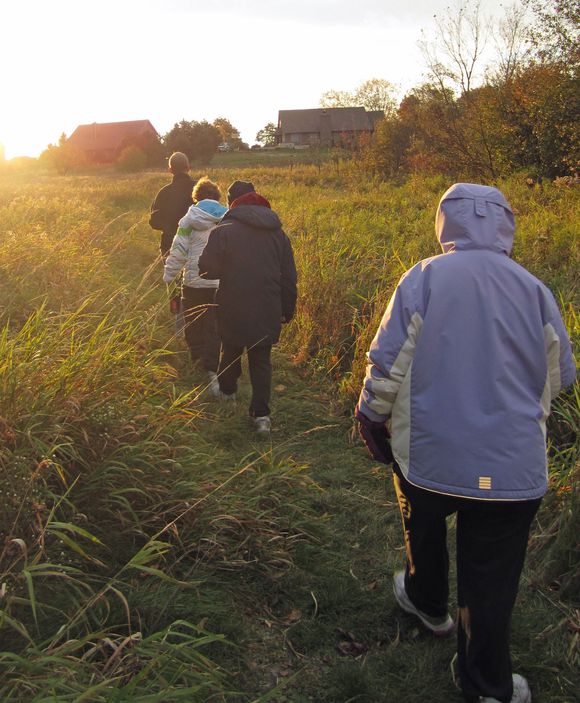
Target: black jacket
x=252 y=257
x=169 y=206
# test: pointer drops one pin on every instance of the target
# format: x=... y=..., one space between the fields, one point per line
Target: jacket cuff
x=367 y=412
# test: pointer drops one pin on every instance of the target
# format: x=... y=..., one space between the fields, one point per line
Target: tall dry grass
x=116 y=507
x=109 y=487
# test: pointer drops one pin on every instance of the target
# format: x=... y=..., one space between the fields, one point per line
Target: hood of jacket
x=213 y=207
x=472 y=216
x=253 y=210
x=200 y=219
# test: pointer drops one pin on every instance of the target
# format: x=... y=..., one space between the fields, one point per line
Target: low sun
x=15 y=142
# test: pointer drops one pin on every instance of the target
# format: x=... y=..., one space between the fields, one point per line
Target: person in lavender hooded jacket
x=469 y=354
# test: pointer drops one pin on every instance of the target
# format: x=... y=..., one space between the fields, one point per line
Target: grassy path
x=329 y=630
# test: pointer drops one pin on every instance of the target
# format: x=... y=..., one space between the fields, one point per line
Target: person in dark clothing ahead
x=252 y=257
x=172 y=201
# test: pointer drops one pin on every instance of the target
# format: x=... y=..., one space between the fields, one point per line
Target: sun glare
x=16 y=142
x=26 y=137
x=14 y=146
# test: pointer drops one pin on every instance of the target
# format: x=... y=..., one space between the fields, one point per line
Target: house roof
x=375 y=116
x=342 y=119
x=109 y=135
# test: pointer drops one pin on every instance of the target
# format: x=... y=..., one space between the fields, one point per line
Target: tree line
x=198 y=139
x=518 y=112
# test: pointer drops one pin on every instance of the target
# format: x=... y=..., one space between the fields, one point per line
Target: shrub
x=131 y=159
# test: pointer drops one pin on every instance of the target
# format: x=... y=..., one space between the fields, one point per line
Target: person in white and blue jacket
x=198 y=294
x=470 y=353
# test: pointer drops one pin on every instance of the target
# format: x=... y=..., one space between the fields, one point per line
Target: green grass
x=339 y=591
x=267 y=158
x=151 y=547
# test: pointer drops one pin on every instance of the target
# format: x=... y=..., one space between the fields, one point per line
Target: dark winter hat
x=239 y=188
x=178 y=162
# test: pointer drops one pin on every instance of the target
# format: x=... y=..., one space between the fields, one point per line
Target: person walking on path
x=198 y=294
x=252 y=257
x=469 y=354
x=172 y=201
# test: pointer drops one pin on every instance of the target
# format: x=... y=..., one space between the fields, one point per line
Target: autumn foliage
x=522 y=115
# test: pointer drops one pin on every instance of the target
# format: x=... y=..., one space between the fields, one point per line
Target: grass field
x=268 y=158
x=152 y=549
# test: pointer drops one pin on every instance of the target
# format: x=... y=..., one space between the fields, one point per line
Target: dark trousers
x=201 y=332
x=260 y=365
x=492 y=537
x=165 y=243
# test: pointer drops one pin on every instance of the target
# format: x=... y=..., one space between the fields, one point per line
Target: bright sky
x=70 y=62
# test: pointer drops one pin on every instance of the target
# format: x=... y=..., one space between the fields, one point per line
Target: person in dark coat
x=172 y=201
x=253 y=259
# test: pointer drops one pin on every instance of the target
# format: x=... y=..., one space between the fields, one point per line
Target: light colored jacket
x=189 y=242
x=469 y=354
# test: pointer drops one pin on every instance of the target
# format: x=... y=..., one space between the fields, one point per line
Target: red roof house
x=102 y=143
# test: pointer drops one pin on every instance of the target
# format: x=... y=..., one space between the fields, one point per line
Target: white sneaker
x=521 y=694
x=213 y=386
x=439 y=626
x=262 y=425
